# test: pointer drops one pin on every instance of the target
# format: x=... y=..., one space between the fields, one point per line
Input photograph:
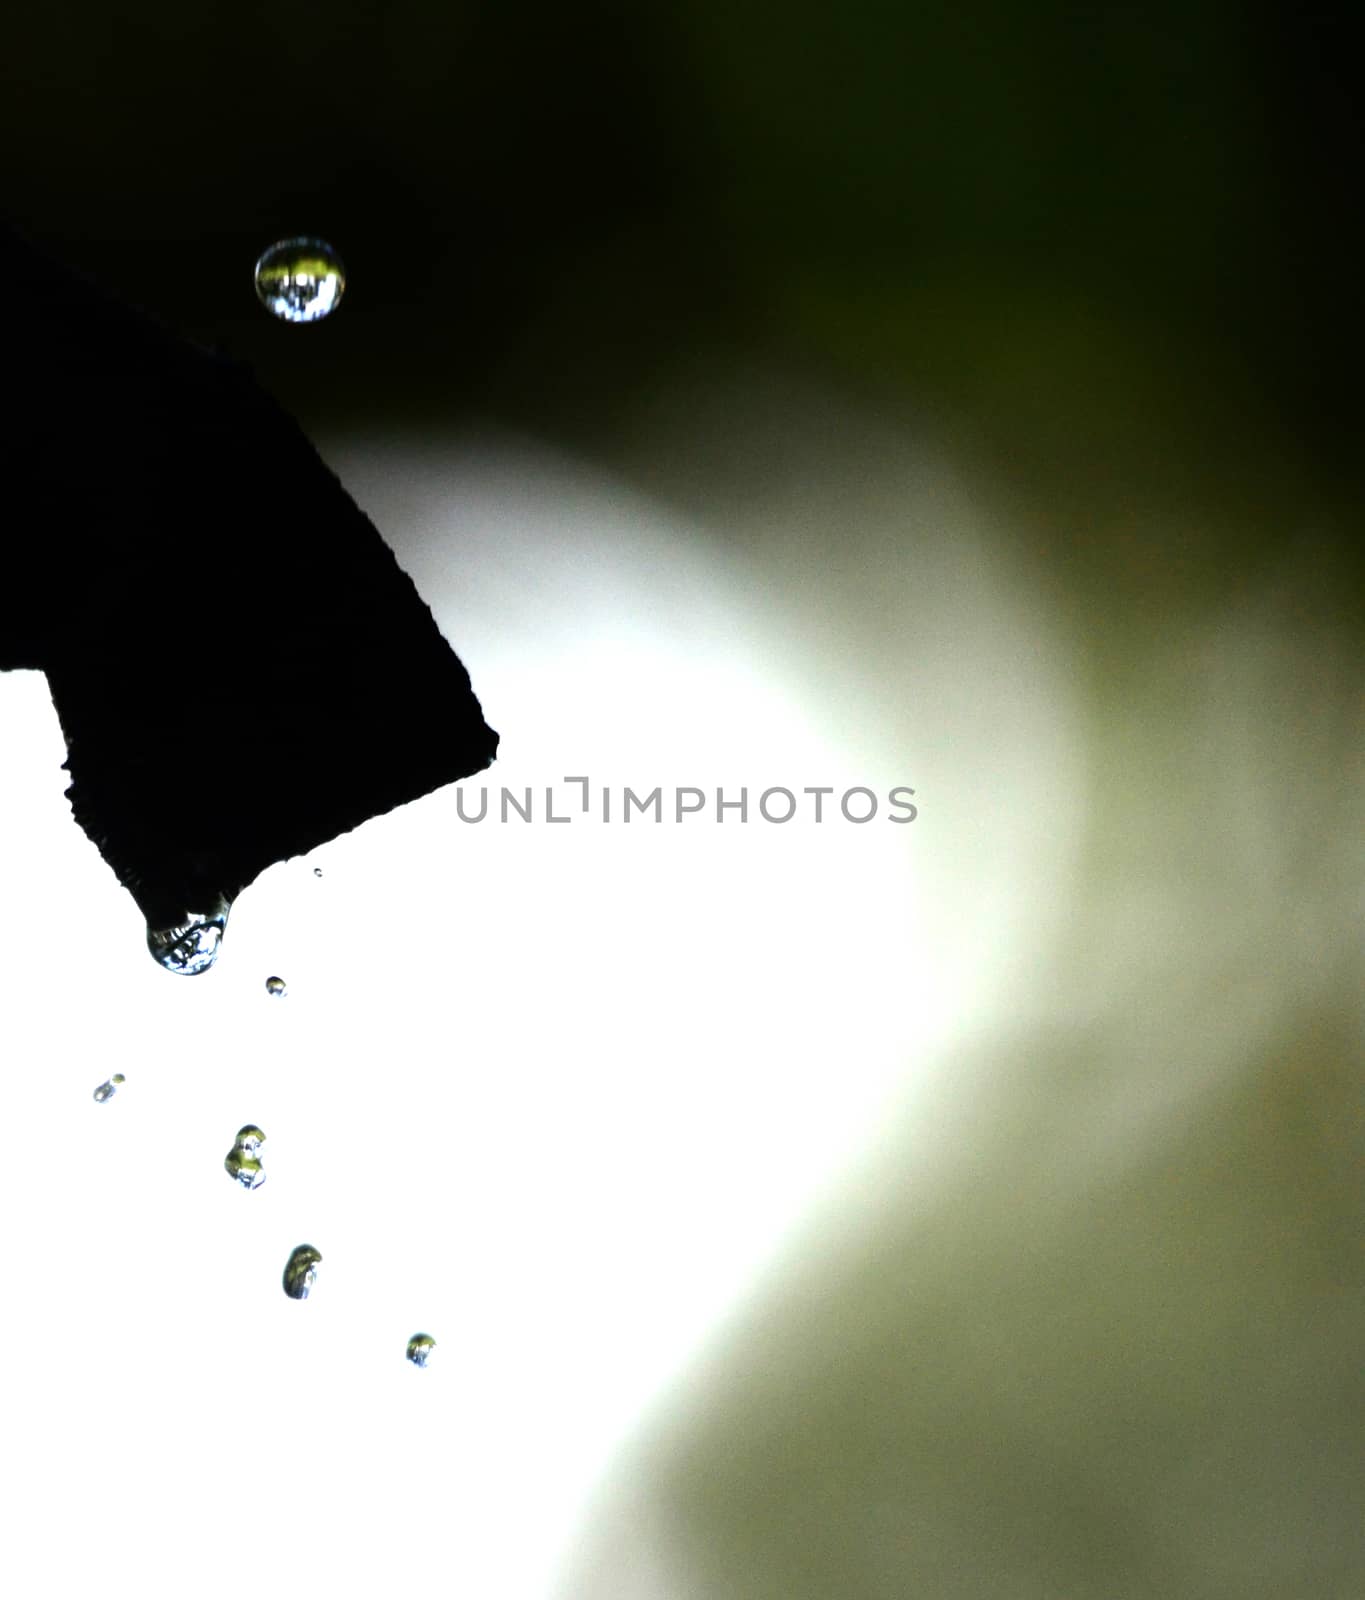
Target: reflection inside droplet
x=243 y=1161
x=420 y=1347
x=275 y=986
x=190 y=947
x=245 y=1168
x=300 y=280
x=106 y=1089
x=300 y=1271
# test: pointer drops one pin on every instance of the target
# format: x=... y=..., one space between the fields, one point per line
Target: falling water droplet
x=106 y=1090
x=243 y=1161
x=420 y=1347
x=275 y=986
x=300 y=280
x=300 y=1270
x=190 y=947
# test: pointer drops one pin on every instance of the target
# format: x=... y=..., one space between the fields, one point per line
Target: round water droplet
x=420 y=1347
x=300 y=1271
x=317 y=872
x=275 y=986
x=300 y=280
x=190 y=947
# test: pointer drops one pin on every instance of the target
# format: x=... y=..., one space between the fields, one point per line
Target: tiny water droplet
x=300 y=280
x=243 y=1161
x=275 y=986
x=420 y=1347
x=190 y=947
x=300 y=1271
x=106 y=1089
x=317 y=872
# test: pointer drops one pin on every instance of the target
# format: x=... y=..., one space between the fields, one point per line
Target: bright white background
x=552 y=1094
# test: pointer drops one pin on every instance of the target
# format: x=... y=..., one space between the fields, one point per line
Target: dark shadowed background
x=993 y=208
